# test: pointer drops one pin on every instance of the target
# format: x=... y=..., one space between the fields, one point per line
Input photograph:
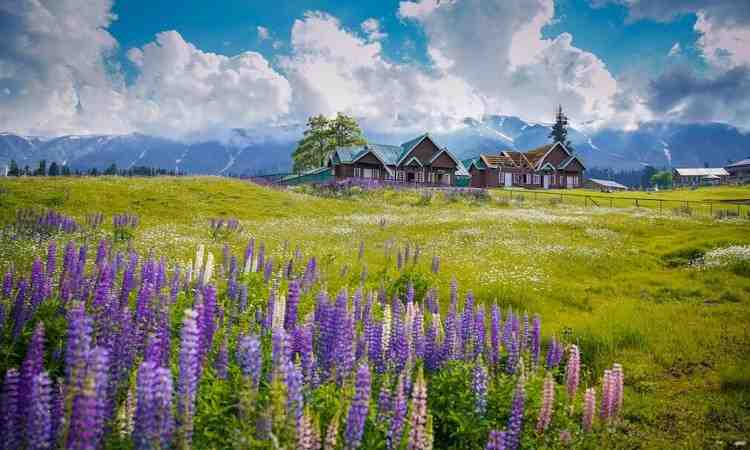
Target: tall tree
x=559 y=131
x=321 y=138
x=54 y=169
x=42 y=170
x=14 y=171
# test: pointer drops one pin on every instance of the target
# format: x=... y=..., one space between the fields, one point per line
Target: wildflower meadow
x=254 y=318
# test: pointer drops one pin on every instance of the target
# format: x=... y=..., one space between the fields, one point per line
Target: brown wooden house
x=418 y=161
x=551 y=166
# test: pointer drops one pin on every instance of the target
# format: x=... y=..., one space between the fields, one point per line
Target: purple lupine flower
x=280 y=349
x=514 y=354
x=607 y=391
x=174 y=284
x=496 y=440
x=418 y=433
x=573 y=371
x=221 y=364
x=396 y=430
x=554 y=354
x=128 y=278
x=292 y=302
x=249 y=357
x=304 y=343
x=20 y=309
x=398 y=347
x=479 y=386
x=89 y=411
x=375 y=346
x=154 y=423
x=589 y=409
x=143 y=427
x=515 y=421
x=8 y=284
x=617 y=387
x=268 y=270
x=101 y=252
x=162 y=406
x=357 y=302
x=207 y=321
x=495 y=320
x=248 y=261
x=344 y=350
x=11 y=414
x=432 y=350
x=384 y=401
x=467 y=323
x=355 y=424
x=479 y=331
x=78 y=342
x=293 y=381
x=525 y=332
x=32 y=365
x=508 y=329
x=535 y=339
x=38 y=283
x=187 y=384
x=51 y=259
x=548 y=400
x=39 y=427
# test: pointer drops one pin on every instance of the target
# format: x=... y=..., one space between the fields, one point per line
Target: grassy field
x=620 y=282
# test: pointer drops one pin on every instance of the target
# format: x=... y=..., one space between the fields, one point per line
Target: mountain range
x=247 y=152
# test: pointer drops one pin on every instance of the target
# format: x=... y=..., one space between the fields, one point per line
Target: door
x=546 y=181
x=570 y=182
x=508 y=180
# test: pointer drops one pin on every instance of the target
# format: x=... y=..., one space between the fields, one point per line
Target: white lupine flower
x=248 y=266
x=279 y=312
x=386 y=328
x=189 y=273
x=209 y=270
x=199 y=258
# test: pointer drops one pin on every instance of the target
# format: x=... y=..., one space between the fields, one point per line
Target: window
x=400 y=175
x=367 y=173
x=537 y=179
x=358 y=172
x=420 y=176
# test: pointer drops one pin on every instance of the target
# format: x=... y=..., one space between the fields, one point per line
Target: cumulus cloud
x=721 y=12
x=335 y=70
x=182 y=90
x=498 y=48
x=723 y=45
x=371 y=28
x=53 y=67
x=683 y=95
x=59 y=77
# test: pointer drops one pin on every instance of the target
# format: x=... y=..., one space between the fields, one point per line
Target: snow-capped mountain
x=251 y=152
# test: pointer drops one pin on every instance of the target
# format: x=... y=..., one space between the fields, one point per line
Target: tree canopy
x=321 y=138
x=559 y=131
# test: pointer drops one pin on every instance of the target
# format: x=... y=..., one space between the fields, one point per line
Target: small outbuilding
x=688 y=176
x=604 y=185
x=739 y=171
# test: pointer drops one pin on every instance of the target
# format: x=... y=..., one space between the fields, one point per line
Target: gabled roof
x=701 y=171
x=407 y=146
x=608 y=183
x=502 y=160
x=450 y=155
x=412 y=160
x=743 y=162
x=461 y=170
x=569 y=160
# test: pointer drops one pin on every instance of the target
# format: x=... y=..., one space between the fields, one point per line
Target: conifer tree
x=559 y=131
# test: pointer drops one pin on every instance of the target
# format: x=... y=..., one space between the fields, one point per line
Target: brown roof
x=511 y=158
x=501 y=160
x=533 y=156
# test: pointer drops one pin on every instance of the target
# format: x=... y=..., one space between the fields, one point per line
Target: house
x=688 y=176
x=418 y=161
x=551 y=166
x=739 y=172
x=604 y=185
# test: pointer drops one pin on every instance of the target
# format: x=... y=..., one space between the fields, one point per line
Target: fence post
x=660 y=205
x=711 y=208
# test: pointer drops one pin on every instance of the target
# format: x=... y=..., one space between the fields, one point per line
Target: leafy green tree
x=66 y=170
x=54 y=169
x=559 y=131
x=648 y=175
x=14 y=171
x=663 y=179
x=321 y=138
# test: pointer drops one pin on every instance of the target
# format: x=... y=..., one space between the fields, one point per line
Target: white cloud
x=334 y=70
x=263 y=33
x=182 y=90
x=497 y=47
x=371 y=28
x=675 y=50
x=723 y=45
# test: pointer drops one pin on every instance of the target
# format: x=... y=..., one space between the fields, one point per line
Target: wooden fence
x=706 y=208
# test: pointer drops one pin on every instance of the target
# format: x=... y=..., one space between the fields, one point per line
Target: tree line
x=63 y=170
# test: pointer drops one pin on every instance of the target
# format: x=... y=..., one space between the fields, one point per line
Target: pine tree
x=54 y=169
x=559 y=131
x=14 y=171
x=66 y=170
x=42 y=169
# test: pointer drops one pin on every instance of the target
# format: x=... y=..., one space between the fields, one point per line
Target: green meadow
x=631 y=285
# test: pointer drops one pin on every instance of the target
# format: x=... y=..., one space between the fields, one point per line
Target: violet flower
x=548 y=399
x=355 y=424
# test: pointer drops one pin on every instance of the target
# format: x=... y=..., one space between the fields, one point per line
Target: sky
x=192 y=69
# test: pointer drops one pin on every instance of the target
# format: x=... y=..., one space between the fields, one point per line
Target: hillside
x=616 y=282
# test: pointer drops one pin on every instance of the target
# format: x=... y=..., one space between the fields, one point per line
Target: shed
x=604 y=185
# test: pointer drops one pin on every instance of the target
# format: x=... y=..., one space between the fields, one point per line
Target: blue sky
x=230 y=27
x=193 y=68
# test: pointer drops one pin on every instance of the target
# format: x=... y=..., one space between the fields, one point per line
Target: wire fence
x=705 y=208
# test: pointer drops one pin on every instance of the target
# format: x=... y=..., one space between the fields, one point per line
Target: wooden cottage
x=418 y=161
x=551 y=166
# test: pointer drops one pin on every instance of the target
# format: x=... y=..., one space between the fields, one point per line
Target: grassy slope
x=681 y=334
